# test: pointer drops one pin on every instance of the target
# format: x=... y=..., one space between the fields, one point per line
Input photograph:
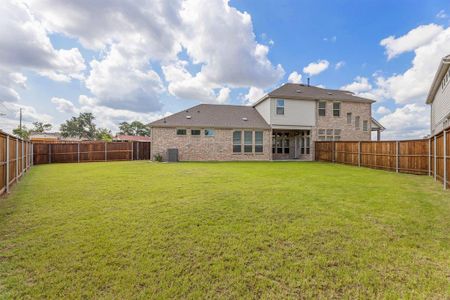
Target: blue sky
x=161 y=57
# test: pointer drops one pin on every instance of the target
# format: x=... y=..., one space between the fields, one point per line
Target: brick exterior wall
x=348 y=131
x=204 y=148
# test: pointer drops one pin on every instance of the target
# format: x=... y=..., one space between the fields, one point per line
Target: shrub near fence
x=70 y=152
x=15 y=160
x=421 y=157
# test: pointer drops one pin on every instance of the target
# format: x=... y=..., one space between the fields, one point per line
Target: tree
x=82 y=127
x=134 y=128
x=41 y=127
x=104 y=134
x=23 y=132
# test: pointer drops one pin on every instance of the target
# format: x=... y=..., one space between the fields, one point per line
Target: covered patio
x=291 y=144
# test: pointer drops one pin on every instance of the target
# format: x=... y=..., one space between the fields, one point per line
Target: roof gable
x=440 y=73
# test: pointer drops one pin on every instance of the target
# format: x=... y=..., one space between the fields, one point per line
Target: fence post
x=137 y=150
x=23 y=158
x=359 y=154
x=49 y=153
x=429 y=157
x=17 y=160
x=132 y=151
x=397 y=156
x=7 y=163
x=78 y=152
x=106 y=151
x=32 y=154
x=445 y=159
x=435 y=160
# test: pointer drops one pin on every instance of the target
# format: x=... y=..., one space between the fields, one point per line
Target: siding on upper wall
x=440 y=108
x=264 y=110
x=296 y=113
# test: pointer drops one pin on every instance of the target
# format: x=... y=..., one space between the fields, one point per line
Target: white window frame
x=259 y=143
x=324 y=109
x=338 y=110
x=349 y=118
x=280 y=104
x=237 y=144
x=365 y=125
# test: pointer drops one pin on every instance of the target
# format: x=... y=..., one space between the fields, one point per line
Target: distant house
x=282 y=125
x=131 y=138
x=46 y=137
x=439 y=97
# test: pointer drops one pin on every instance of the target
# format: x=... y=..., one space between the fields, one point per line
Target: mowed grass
x=224 y=230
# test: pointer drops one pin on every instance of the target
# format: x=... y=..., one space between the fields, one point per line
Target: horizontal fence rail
x=15 y=160
x=420 y=157
x=74 y=152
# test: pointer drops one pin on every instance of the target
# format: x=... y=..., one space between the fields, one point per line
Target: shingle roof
x=133 y=138
x=304 y=92
x=215 y=116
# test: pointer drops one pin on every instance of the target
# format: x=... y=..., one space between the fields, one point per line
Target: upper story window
x=349 y=118
x=445 y=80
x=365 y=125
x=322 y=108
x=357 y=122
x=336 y=109
x=280 y=107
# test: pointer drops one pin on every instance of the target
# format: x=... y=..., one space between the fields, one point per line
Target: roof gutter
x=442 y=70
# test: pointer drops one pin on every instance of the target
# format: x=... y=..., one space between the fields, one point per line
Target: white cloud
x=220 y=38
x=383 y=110
x=414 y=39
x=124 y=81
x=295 y=77
x=253 y=95
x=25 y=44
x=408 y=122
x=109 y=117
x=29 y=115
x=185 y=86
x=361 y=84
x=339 y=65
x=64 y=105
x=316 y=68
x=412 y=86
x=442 y=14
x=332 y=39
x=9 y=82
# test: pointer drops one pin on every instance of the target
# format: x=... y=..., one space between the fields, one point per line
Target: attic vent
x=244 y=119
x=188 y=117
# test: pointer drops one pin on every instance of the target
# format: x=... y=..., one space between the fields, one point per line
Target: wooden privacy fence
x=421 y=157
x=15 y=160
x=74 y=152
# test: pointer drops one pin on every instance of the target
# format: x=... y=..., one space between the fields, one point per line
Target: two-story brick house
x=284 y=124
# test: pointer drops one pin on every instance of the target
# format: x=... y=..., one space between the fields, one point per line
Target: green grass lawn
x=224 y=230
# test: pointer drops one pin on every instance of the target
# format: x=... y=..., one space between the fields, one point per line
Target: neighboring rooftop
x=215 y=116
x=305 y=92
x=132 y=138
x=442 y=70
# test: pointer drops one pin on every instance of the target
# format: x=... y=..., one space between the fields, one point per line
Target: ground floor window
x=305 y=142
x=329 y=134
x=280 y=143
x=253 y=141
